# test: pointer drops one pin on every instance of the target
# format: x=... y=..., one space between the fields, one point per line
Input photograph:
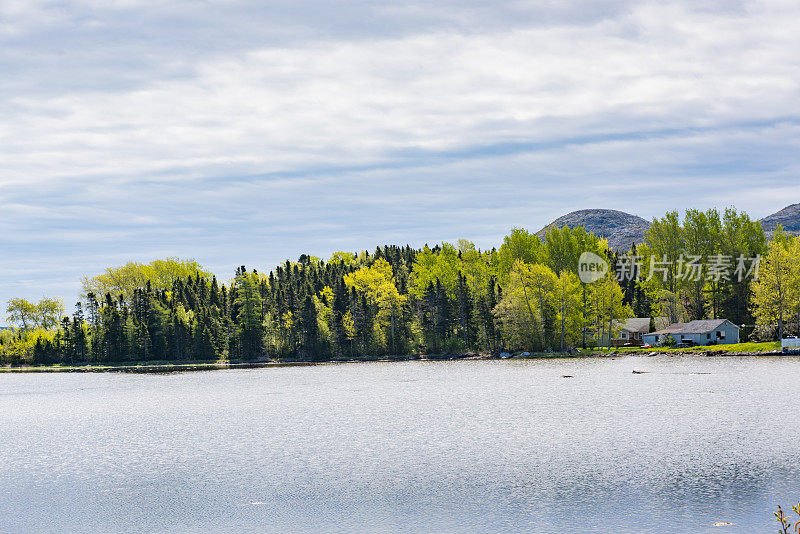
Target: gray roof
x=637 y=324
x=661 y=322
x=671 y=329
x=701 y=326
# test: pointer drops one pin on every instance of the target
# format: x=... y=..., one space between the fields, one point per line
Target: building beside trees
x=525 y=295
x=698 y=332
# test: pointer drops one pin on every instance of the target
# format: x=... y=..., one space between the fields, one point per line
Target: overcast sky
x=239 y=132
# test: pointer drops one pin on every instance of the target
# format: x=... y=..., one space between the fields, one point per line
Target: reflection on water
x=469 y=446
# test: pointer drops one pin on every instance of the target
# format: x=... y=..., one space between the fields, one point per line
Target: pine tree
x=248 y=318
x=308 y=322
x=430 y=318
x=340 y=308
x=464 y=304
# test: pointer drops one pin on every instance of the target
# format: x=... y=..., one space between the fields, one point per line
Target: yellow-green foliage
x=125 y=279
x=477 y=268
x=16 y=346
x=430 y=266
x=378 y=284
x=677 y=291
x=43 y=314
x=323 y=302
x=528 y=305
x=348 y=258
x=538 y=304
x=776 y=293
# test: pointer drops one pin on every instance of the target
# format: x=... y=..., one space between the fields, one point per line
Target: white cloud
x=347 y=134
x=347 y=103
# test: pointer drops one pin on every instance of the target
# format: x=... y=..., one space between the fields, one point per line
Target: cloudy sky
x=239 y=132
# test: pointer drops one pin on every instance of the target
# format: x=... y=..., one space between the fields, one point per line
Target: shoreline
x=173 y=367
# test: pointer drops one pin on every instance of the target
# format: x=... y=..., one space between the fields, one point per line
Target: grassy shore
x=739 y=349
x=748 y=349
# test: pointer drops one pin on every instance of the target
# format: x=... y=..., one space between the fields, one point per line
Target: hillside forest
x=452 y=298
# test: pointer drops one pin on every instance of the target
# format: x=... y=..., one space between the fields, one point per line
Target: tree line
x=451 y=298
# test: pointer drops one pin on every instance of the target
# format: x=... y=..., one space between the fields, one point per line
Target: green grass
x=769 y=346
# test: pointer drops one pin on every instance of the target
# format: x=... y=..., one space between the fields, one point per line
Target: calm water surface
x=461 y=446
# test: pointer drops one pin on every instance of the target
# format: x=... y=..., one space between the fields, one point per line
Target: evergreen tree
x=249 y=315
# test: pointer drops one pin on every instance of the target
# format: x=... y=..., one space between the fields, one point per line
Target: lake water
x=454 y=446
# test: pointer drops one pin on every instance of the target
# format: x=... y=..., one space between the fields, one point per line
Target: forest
x=397 y=301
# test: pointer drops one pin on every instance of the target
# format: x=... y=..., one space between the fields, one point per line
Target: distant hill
x=619 y=228
x=788 y=217
x=622 y=229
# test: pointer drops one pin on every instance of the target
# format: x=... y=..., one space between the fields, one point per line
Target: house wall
x=650 y=339
x=731 y=335
x=626 y=335
x=697 y=339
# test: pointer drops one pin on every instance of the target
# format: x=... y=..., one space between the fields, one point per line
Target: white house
x=633 y=329
x=699 y=332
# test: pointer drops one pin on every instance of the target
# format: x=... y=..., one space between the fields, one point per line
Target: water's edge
x=144 y=367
